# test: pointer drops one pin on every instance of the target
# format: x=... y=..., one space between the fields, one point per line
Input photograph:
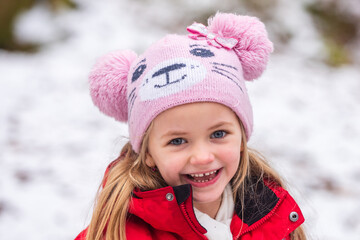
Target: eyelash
x=224 y=133
x=172 y=142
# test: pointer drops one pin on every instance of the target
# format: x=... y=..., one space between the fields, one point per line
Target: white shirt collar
x=219 y=228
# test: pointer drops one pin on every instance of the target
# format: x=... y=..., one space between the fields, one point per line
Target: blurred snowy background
x=55 y=145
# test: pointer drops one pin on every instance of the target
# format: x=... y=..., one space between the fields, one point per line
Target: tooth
x=201 y=175
x=207 y=174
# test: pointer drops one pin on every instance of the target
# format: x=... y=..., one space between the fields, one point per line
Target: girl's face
x=196 y=143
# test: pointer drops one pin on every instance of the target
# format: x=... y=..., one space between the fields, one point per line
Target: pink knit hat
x=211 y=64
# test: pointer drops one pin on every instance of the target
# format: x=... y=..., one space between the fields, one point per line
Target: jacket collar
x=168 y=209
x=171 y=209
x=259 y=200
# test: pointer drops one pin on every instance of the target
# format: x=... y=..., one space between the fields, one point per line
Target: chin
x=206 y=197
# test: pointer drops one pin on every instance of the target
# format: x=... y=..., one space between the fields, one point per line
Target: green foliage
x=338 y=29
x=263 y=9
x=337 y=54
x=58 y=4
x=10 y=10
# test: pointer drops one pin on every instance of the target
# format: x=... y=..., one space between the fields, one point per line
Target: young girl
x=187 y=172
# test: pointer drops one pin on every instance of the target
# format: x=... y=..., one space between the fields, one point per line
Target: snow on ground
x=55 y=145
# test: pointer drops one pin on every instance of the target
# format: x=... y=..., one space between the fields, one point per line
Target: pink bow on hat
x=199 y=31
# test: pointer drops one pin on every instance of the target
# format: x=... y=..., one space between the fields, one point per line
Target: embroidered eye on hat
x=210 y=64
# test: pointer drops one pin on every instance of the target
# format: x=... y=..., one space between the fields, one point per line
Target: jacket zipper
x=188 y=219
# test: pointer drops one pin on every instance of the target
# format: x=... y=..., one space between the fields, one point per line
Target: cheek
x=231 y=157
x=170 y=169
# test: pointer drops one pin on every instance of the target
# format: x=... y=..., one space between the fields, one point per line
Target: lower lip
x=204 y=184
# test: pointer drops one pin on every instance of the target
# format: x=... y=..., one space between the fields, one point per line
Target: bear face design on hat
x=209 y=65
x=179 y=70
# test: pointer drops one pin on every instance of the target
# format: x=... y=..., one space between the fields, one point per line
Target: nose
x=202 y=154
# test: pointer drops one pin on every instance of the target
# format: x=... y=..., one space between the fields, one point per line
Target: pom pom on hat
x=254 y=46
x=108 y=83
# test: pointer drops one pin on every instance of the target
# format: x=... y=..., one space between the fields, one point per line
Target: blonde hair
x=130 y=171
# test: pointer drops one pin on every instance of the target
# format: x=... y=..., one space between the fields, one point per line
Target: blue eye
x=177 y=141
x=201 y=52
x=218 y=134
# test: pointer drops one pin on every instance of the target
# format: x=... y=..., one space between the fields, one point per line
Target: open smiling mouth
x=203 y=177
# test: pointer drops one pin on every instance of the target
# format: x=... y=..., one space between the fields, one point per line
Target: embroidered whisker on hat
x=210 y=64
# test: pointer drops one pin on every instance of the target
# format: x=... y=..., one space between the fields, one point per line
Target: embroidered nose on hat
x=210 y=64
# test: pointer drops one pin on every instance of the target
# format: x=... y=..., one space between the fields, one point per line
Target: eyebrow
x=173 y=133
x=220 y=124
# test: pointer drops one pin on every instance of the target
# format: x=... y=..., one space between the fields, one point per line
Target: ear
x=149 y=161
x=254 y=45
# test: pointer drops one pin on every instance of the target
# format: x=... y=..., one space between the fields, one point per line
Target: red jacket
x=270 y=213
